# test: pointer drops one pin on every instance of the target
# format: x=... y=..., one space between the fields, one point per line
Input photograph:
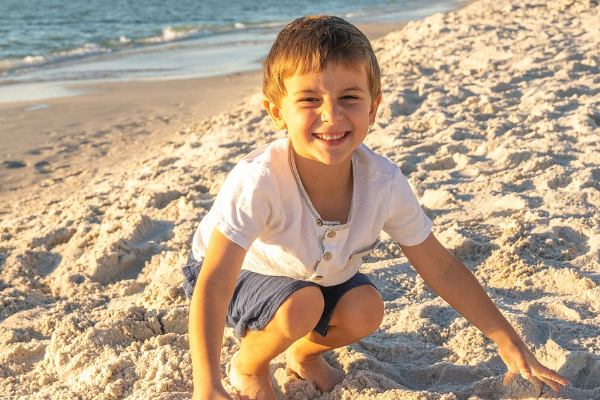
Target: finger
x=508 y=378
x=526 y=373
x=554 y=385
x=537 y=382
x=547 y=374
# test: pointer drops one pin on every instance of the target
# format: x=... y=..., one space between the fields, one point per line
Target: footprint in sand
x=43 y=167
x=39 y=151
x=14 y=164
x=583 y=370
x=124 y=248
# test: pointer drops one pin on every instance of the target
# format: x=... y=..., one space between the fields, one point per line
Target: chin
x=332 y=161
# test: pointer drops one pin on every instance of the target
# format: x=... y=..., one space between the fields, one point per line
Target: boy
x=278 y=255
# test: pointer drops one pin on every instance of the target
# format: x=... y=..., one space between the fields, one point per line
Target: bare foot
x=317 y=370
x=249 y=386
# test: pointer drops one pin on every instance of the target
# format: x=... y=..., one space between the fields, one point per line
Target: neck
x=319 y=177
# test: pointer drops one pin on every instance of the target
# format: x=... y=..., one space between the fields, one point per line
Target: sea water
x=47 y=46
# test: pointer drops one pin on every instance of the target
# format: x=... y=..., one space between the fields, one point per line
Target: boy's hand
x=520 y=360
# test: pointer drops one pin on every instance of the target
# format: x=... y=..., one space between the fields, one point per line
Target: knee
x=362 y=312
x=300 y=312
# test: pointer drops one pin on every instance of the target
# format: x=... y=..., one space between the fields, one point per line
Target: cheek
x=303 y=117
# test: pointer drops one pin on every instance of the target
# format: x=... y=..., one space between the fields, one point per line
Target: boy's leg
x=294 y=319
x=358 y=313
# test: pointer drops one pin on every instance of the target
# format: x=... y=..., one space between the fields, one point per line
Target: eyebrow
x=354 y=88
x=349 y=89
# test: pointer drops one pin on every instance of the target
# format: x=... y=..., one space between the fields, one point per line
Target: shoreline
x=70 y=138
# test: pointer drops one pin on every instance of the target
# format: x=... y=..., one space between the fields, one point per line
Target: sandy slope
x=493 y=112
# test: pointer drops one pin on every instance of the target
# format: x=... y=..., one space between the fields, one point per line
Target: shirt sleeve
x=406 y=223
x=244 y=205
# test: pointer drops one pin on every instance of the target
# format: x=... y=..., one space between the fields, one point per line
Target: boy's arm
x=212 y=294
x=453 y=281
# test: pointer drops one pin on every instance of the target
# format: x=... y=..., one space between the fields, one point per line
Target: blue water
x=46 y=45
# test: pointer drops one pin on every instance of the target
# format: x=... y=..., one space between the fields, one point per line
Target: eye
x=309 y=102
x=351 y=97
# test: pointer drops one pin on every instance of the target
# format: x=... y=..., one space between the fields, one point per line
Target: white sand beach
x=491 y=111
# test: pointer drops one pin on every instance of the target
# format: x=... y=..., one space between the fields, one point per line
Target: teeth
x=332 y=137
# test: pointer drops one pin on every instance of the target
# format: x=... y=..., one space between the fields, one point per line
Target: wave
x=168 y=35
x=29 y=62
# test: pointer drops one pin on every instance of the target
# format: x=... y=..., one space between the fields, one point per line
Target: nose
x=331 y=112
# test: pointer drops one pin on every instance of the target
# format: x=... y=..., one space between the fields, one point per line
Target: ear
x=373 y=109
x=275 y=112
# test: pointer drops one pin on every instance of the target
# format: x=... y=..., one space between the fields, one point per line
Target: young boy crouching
x=278 y=255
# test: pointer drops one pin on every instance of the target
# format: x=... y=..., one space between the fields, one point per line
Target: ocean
x=47 y=46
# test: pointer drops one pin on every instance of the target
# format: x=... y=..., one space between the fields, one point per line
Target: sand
x=77 y=136
x=492 y=112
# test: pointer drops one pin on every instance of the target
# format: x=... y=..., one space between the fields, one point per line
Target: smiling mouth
x=331 y=137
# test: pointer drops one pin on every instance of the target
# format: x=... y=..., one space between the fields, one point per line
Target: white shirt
x=263 y=207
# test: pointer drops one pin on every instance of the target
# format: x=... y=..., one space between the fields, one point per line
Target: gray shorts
x=257 y=297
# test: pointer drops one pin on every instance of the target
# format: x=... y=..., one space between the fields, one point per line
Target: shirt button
x=331 y=234
x=327 y=256
x=319 y=222
x=318 y=278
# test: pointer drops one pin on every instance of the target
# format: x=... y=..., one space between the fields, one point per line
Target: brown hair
x=308 y=44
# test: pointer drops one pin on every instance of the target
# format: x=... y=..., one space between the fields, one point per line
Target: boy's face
x=327 y=114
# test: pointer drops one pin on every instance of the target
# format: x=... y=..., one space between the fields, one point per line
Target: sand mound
x=493 y=113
